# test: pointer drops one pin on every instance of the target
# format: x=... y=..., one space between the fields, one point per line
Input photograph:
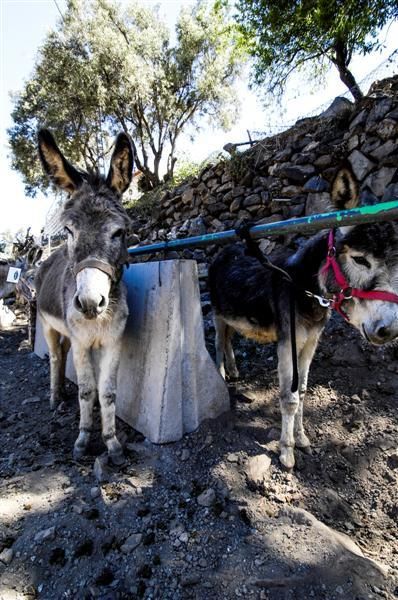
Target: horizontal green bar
x=385 y=211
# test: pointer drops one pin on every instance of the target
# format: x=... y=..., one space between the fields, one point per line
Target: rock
x=257 y=470
x=384 y=150
x=45 y=535
x=100 y=469
x=391 y=192
x=252 y=200
x=323 y=162
x=235 y=204
x=385 y=442
x=359 y=120
x=190 y=579
x=32 y=400
x=216 y=208
x=185 y=454
x=207 y=498
x=348 y=354
x=131 y=543
x=340 y=106
x=188 y=196
x=352 y=143
x=295 y=173
x=393 y=461
x=316 y=184
x=202 y=563
x=379 y=111
x=317 y=203
x=197 y=227
x=367 y=197
x=361 y=165
x=386 y=129
x=379 y=180
x=6 y=556
x=95 y=492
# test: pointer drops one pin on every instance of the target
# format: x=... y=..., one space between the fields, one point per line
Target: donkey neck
x=305 y=264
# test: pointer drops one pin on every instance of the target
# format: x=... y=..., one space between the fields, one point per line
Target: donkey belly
x=263 y=335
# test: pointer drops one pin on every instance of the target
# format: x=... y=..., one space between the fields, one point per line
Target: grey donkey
x=81 y=299
x=27 y=260
x=353 y=270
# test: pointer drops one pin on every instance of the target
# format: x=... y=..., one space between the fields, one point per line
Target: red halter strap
x=346 y=291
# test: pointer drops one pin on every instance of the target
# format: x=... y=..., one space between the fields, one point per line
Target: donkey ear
x=121 y=169
x=60 y=171
x=345 y=189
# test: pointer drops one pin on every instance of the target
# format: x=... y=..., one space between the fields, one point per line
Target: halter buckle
x=346 y=293
x=324 y=302
x=332 y=252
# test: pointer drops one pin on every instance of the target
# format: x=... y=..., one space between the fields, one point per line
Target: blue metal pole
x=385 y=211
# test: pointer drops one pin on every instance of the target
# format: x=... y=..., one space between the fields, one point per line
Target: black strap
x=253 y=249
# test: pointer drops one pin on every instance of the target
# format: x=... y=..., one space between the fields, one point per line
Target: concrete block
x=167 y=382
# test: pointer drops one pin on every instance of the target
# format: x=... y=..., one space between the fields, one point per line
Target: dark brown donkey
x=81 y=299
x=354 y=270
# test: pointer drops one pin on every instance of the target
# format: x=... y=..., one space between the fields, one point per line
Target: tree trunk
x=341 y=61
x=349 y=80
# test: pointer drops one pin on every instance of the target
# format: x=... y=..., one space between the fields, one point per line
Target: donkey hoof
x=78 y=453
x=303 y=443
x=287 y=457
x=117 y=458
x=233 y=375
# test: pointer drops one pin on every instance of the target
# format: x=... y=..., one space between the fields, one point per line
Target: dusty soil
x=185 y=520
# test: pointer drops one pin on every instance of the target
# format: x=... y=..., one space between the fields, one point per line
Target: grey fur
x=87 y=311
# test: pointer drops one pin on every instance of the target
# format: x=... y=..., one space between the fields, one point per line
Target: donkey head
x=368 y=258
x=94 y=219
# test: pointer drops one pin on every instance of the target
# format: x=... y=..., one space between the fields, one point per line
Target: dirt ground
x=192 y=519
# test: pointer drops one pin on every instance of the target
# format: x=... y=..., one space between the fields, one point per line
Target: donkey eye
x=68 y=231
x=361 y=260
x=117 y=234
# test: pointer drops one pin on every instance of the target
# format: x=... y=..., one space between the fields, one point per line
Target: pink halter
x=346 y=291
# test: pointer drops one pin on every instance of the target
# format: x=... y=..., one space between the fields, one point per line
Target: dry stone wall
x=288 y=175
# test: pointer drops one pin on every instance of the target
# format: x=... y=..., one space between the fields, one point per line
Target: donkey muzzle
x=380 y=332
x=92 y=292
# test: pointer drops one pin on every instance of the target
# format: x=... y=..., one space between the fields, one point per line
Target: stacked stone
x=289 y=175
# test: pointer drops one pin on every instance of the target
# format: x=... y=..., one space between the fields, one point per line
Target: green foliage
x=184 y=170
x=109 y=67
x=147 y=204
x=284 y=35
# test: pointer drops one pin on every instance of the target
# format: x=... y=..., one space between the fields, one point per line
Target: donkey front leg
x=108 y=367
x=289 y=403
x=304 y=361
x=87 y=395
x=229 y=354
x=224 y=350
x=221 y=331
x=53 y=340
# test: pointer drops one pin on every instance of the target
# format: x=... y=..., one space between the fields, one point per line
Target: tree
x=108 y=67
x=285 y=35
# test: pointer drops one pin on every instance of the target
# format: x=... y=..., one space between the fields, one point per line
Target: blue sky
x=23 y=26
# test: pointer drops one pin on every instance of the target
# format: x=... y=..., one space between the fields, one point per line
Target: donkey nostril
x=102 y=303
x=382 y=332
x=78 y=304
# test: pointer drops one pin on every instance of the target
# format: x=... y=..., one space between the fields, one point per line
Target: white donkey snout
x=92 y=292
x=381 y=331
